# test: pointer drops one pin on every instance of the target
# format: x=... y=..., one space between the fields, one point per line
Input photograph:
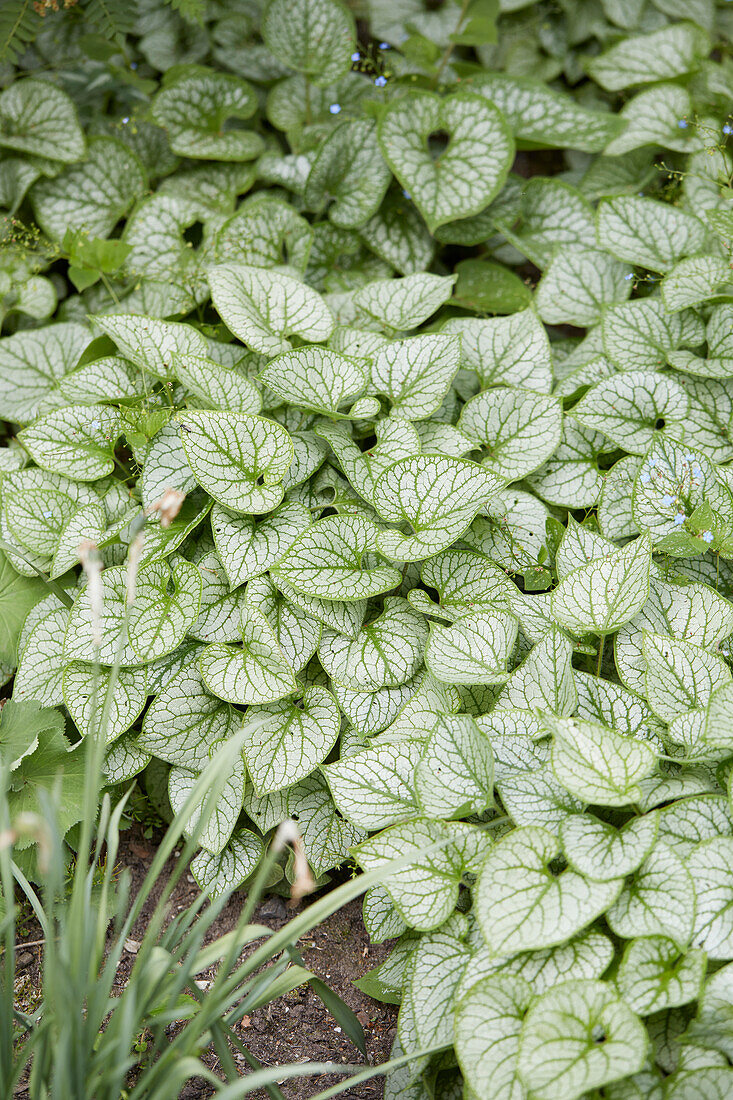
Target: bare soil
x=297 y=1028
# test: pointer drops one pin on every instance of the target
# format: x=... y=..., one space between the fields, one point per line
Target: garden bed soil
x=297 y=1028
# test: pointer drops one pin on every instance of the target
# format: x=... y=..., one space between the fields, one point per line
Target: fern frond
x=192 y=11
x=112 y=18
x=19 y=25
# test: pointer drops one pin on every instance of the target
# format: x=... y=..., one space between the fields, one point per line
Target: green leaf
x=33 y=364
x=77 y=441
x=149 y=343
x=17 y=596
x=52 y=771
x=474 y=649
x=84 y=696
x=606 y=593
x=513 y=351
x=577 y=1037
x=326 y=561
x=255 y=673
x=316 y=378
x=542 y=115
x=630 y=408
x=294 y=739
x=91 y=196
x=488 y=1026
x=219 y=873
x=22 y=725
x=240 y=460
x=416 y=374
x=374 y=787
x=486 y=287
x=648 y=233
x=185 y=722
x=348 y=175
x=194 y=110
x=658 y=901
x=522 y=905
x=579 y=285
x=402 y=304
x=261 y=307
x=519 y=429
x=316 y=37
x=437 y=496
x=460 y=179
x=220 y=818
x=653 y=975
x=455 y=775
x=598 y=764
x=39 y=118
x=385 y=653
x=643 y=59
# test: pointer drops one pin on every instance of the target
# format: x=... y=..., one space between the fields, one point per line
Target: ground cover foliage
x=458 y=520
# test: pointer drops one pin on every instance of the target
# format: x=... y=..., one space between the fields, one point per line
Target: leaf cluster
x=434 y=466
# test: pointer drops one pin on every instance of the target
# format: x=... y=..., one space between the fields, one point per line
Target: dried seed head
x=133 y=564
x=91 y=563
x=167 y=506
x=304 y=883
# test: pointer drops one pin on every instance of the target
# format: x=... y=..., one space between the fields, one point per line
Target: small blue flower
x=679 y=519
x=683 y=123
x=133 y=64
x=406 y=194
x=47 y=514
x=667 y=500
x=707 y=536
x=728 y=129
x=356 y=56
x=335 y=108
x=384 y=46
x=380 y=81
x=125 y=120
x=627 y=277
x=646 y=478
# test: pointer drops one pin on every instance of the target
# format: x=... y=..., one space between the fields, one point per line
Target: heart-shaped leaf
x=463 y=176
x=239 y=459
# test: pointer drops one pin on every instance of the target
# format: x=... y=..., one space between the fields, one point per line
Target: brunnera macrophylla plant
x=451 y=451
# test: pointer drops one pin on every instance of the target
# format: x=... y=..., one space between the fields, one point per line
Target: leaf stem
x=451 y=45
x=56 y=588
x=599 y=662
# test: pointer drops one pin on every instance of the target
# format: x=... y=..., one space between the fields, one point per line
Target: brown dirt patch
x=297 y=1028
